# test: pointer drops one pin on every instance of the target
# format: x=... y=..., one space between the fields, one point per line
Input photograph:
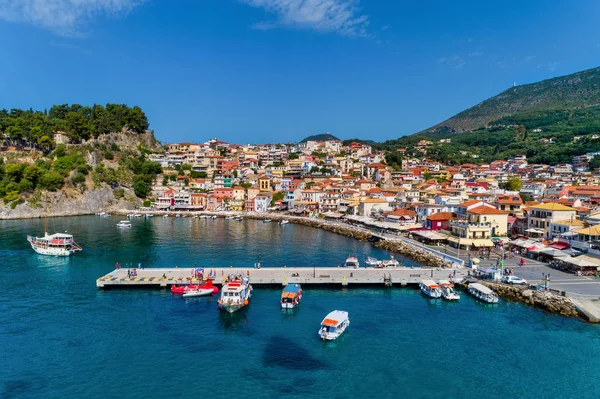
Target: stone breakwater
x=542 y=299
x=427 y=259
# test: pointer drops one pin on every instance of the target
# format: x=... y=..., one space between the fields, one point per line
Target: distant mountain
x=578 y=90
x=320 y=137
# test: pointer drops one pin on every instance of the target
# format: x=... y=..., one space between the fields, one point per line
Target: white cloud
x=64 y=17
x=455 y=61
x=475 y=54
x=340 y=16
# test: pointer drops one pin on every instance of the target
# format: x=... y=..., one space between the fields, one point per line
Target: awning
x=430 y=235
x=560 y=245
x=583 y=261
x=463 y=241
x=496 y=239
x=483 y=243
x=536 y=248
x=553 y=252
x=532 y=230
x=517 y=243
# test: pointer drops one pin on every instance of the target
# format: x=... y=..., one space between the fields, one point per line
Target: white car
x=513 y=280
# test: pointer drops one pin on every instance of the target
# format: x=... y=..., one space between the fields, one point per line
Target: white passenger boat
x=448 y=291
x=124 y=224
x=482 y=292
x=235 y=294
x=284 y=222
x=390 y=263
x=333 y=325
x=352 y=261
x=54 y=244
x=430 y=288
x=197 y=292
x=373 y=262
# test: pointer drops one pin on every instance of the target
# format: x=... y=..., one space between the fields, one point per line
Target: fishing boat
x=390 y=263
x=284 y=222
x=291 y=296
x=229 y=217
x=333 y=325
x=235 y=294
x=267 y=221
x=148 y=215
x=239 y=218
x=373 y=262
x=213 y=217
x=352 y=261
x=448 y=292
x=58 y=244
x=124 y=224
x=483 y=293
x=430 y=288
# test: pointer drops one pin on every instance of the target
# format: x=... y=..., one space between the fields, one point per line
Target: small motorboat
x=239 y=218
x=390 y=263
x=430 y=288
x=213 y=217
x=191 y=293
x=124 y=224
x=284 y=222
x=229 y=217
x=165 y=216
x=448 y=292
x=333 y=325
x=483 y=293
x=352 y=261
x=267 y=221
x=373 y=262
x=291 y=296
x=183 y=289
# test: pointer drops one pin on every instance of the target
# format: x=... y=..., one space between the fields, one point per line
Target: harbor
x=279 y=276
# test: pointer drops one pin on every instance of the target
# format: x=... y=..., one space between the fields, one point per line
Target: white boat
x=148 y=215
x=54 y=244
x=197 y=292
x=482 y=292
x=390 y=263
x=213 y=217
x=229 y=217
x=373 y=262
x=124 y=224
x=100 y=213
x=284 y=222
x=448 y=292
x=333 y=325
x=165 y=216
x=267 y=221
x=239 y=218
x=352 y=261
x=235 y=294
x=430 y=288
x=177 y=215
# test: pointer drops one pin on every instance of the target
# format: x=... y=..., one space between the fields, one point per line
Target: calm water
x=61 y=337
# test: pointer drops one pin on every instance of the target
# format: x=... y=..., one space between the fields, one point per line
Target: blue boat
x=291 y=296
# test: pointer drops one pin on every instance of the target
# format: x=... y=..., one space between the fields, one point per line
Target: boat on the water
x=229 y=217
x=58 y=244
x=235 y=293
x=483 y=293
x=333 y=325
x=448 y=292
x=182 y=289
x=373 y=262
x=390 y=263
x=284 y=222
x=352 y=261
x=267 y=221
x=191 y=293
x=239 y=218
x=124 y=224
x=165 y=216
x=430 y=288
x=291 y=296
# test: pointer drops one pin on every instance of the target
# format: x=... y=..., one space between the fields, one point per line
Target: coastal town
x=551 y=212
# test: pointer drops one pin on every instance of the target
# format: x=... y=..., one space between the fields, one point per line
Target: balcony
x=471 y=226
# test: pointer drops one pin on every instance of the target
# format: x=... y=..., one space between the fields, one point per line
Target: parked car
x=513 y=280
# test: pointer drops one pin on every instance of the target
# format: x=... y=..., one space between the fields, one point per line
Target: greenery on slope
x=35 y=129
x=319 y=137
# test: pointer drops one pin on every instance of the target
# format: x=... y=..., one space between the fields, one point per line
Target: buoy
x=246 y=302
x=230 y=266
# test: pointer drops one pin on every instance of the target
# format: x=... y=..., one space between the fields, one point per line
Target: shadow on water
x=19 y=388
x=285 y=353
x=234 y=321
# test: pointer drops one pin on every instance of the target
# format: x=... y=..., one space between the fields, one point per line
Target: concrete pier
x=279 y=276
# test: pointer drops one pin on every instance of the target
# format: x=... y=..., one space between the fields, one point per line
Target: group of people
x=132 y=273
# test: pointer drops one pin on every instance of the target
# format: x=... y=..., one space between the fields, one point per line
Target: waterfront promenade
x=279 y=276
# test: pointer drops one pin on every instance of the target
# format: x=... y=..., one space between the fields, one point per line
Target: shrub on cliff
x=51 y=181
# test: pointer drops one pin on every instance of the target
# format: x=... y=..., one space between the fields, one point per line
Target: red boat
x=182 y=289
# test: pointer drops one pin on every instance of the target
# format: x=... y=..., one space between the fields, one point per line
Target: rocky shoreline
x=545 y=300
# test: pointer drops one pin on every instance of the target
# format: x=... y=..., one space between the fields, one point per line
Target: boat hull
x=231 y=308
x=53 y=251
x=198 y=292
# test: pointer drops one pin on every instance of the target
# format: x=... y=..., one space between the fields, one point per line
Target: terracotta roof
x=486 y=210
x=441 y=216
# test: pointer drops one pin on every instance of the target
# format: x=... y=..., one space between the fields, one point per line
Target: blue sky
x=279 y=70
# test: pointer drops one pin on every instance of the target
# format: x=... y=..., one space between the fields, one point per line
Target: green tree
x=14 y=171
x=278 y=196
x=595 y=162
x=51 y=181
x=513 y=184
x=141 y=189
x=32 y=173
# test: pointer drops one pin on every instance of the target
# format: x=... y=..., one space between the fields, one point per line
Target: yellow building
x=540 y=216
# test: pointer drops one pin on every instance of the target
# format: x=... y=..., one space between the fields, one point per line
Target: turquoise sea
x=61 y=337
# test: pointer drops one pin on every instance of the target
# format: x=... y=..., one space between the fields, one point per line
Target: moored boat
x=333 y=325
x=284 y=222
x=430 y=288
x=58 y=244
x=182 y=289
x=483 y=293
x=229 y=217
x=197 y=292
x=124 y=224
x=373 y=262
x=267 y=221
x=235 y=293
x=390 y=263
x=448 y=292
x=291 y=296
x=352 y=261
